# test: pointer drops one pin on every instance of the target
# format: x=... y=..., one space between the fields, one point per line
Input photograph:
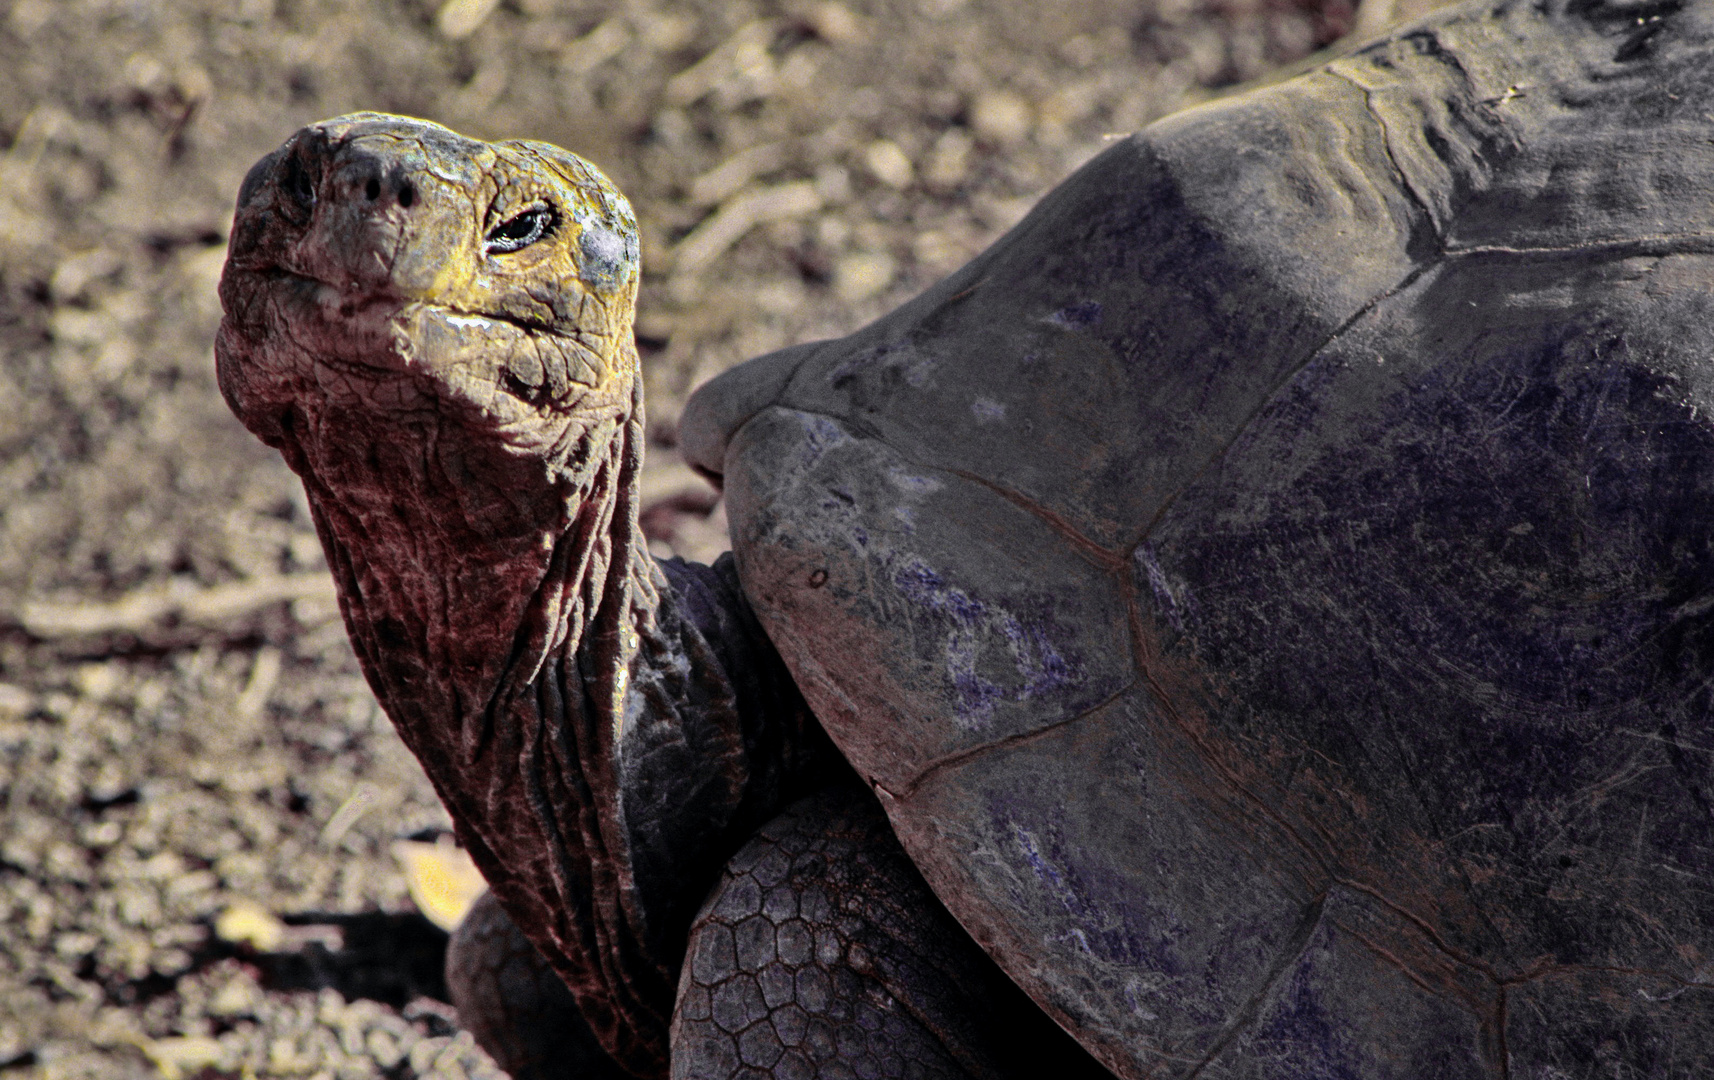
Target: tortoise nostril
x=298 y=183
x=372 y=189
x=407 y=195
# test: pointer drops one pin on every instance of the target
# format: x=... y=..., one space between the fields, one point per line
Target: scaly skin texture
x=516 y=1007
x=822 y=953
x=436 y=334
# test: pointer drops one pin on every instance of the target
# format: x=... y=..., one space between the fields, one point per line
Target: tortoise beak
x=369 y=205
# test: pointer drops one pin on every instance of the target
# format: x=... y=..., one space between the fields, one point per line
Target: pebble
x=889 y=164
x=1002 y=117
x=861 y=276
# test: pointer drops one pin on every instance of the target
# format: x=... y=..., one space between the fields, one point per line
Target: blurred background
x=199 y=798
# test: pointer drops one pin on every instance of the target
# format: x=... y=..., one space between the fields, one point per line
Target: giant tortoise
x=1268 y=593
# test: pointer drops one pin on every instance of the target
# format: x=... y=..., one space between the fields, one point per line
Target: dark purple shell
x=1272 y=589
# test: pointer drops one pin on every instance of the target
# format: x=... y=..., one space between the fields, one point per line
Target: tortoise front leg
x=518 y=1010
x=823 y=953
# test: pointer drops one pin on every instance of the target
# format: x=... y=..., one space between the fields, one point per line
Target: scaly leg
x=823 y=953
x=516 y=1007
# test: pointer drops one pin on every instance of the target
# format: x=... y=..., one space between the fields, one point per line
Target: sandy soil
x=183 y=730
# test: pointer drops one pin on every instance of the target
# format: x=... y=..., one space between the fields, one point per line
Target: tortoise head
x=391 y=280
x=436 y=333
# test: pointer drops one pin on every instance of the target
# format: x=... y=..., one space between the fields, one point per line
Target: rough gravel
x=183 y=730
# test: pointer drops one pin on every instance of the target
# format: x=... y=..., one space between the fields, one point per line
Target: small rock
x=889 y=164
x=661 y=32
x=442 y=880
x=175 y=1057
x=596 y=47
x=834 y=23
x=1002 y=117
x=237 y=996
x=833 y=183
x=862 y=276
x=77 y=272
x=248 y=923
x=460 y=18
x=15 y=700
x=950 y=160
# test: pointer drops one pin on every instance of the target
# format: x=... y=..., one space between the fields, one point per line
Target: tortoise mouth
x=294 y=345
x=381 y=332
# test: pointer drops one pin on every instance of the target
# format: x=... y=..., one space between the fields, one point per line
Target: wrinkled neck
x=603 y=742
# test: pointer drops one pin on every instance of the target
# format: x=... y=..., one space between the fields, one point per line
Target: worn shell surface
x=1271 y=588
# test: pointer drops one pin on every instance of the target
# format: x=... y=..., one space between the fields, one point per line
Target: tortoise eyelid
x=533 y=223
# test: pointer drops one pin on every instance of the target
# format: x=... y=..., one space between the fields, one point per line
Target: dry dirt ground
x=183 y=730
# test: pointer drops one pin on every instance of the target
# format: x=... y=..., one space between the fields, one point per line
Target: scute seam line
x=1267 y=399
x=1017 y=739
x=1094 y=552
x=1246 y=1015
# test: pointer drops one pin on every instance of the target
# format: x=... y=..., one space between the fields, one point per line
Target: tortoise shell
x=1270 y=588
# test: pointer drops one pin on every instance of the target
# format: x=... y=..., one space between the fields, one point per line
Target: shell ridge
x=1659 y=245
x=723 y=406
x=1618 y=248
x=1094 y=552
x=1498 y=139
x=1618 y=251
x=1434 y=168
x=1406 y=184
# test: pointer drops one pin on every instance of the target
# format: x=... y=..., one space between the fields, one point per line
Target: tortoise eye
x=521 y=231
